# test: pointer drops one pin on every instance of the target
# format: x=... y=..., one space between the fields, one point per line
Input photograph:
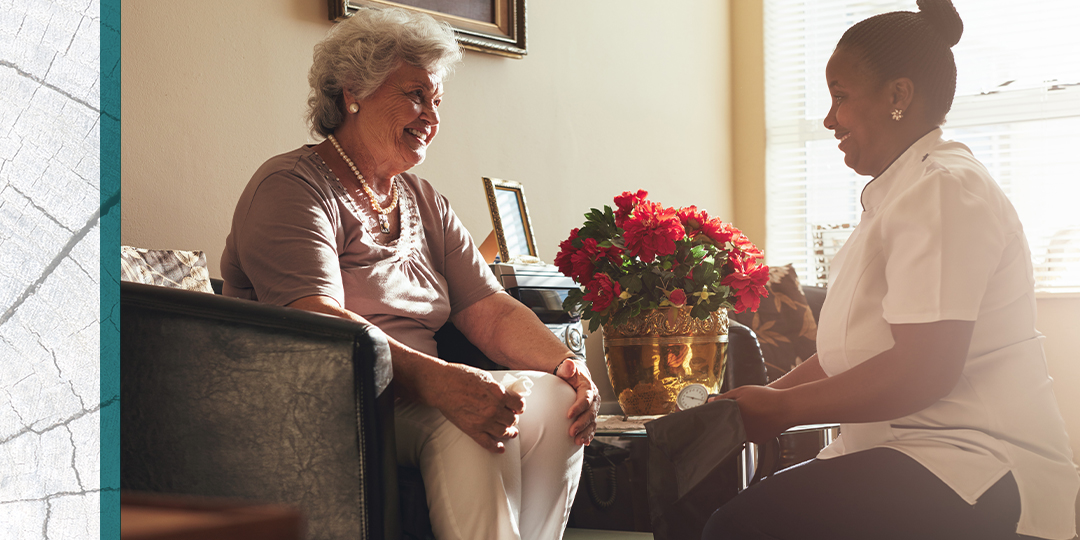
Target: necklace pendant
x=384 y=224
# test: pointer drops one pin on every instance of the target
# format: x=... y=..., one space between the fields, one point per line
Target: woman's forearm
x=510 y=334
x=806 y=372
x=923 y=366
x=410 y=366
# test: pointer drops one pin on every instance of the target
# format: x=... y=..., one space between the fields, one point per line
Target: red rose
x=582 y=260
x=743 y=244
x=566 y=251
x=602 y=291
x=652 y=231
x=718 y=231
x=626 y=203
x=677 y=297
x=613 y=254
x=693 y=219
x=748 y=281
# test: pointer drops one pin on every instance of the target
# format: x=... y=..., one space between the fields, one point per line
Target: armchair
x=231 y=398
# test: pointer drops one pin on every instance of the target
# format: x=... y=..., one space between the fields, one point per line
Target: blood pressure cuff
x=693 y=467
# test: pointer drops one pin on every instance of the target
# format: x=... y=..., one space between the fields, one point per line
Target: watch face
x=692 y=396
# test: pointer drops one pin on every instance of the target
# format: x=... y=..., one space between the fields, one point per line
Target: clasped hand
x=587 y=404
x=477 y=404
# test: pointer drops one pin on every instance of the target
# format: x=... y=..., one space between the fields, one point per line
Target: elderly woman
x=927 y=348
x=341 y=228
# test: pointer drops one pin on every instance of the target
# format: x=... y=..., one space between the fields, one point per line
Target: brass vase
x=655 y=355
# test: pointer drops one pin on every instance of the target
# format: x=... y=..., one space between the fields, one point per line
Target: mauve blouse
x=294 y=235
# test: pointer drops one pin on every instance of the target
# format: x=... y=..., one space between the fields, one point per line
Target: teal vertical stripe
x=110 y=269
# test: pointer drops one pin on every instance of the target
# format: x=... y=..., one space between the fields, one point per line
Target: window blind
x=1017 y=107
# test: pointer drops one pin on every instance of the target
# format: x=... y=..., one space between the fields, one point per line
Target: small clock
x=691 y=396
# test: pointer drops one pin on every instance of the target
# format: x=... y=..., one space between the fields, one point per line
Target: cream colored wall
x=748 y=118
x=612 y=96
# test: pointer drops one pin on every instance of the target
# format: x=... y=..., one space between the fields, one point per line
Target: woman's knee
x=550 y=396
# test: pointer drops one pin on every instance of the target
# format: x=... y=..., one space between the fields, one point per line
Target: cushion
x=784 y=323
x=166 y=268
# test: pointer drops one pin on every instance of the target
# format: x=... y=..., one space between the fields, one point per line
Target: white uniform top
x=938 y=240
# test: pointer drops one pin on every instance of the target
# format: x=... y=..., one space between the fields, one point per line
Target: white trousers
x=524 y=493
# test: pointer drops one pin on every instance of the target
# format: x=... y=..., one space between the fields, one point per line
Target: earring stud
x=355 y=108
x=897 y=114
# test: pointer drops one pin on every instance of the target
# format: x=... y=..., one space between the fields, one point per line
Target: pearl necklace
x=384 y=222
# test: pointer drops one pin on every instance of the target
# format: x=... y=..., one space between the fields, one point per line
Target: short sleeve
x=286 y=242
x=468 y=277
x=942 y=241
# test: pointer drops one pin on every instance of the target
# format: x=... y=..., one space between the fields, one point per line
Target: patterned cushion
x=165 y=268
x=784 y=323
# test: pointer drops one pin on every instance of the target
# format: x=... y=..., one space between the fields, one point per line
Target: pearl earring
x=897 y=114
x=355 y=108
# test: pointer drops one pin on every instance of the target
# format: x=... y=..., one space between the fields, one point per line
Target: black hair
x=913 y=45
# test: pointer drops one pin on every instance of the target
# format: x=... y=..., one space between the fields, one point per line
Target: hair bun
x=943 y=17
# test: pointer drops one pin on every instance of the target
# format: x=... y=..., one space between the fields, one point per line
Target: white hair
x=359 y=53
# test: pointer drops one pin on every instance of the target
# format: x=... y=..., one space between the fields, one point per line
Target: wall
x=608 y=99
x=612 y=96
x=748 y=118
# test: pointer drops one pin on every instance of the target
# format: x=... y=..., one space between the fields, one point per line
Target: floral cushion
x=784 y=323
x=166 y=268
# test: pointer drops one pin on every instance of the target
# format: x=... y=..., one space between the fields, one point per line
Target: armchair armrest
x=226 y=397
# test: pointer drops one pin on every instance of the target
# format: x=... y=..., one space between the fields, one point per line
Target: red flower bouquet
x=645 y=256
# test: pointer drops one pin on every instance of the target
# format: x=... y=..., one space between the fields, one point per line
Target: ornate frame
x=504 y=37
x=490 y=186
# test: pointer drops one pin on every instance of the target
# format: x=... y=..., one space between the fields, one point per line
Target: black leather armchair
x=225 y=397
x=746 y=364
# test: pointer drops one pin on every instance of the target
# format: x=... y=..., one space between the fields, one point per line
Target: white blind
x=1017 y=107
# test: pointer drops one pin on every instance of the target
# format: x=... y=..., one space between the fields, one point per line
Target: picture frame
x=510 y=218
x=488 y=26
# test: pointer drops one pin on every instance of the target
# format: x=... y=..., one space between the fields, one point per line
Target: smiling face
x=398 y=121
x=861 y=115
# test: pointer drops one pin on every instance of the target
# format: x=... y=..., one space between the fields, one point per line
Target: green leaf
x=573 y=296
x=594 y=324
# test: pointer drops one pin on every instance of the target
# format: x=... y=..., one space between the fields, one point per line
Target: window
x=1017 y=107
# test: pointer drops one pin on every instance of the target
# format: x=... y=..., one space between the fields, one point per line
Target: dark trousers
x=877 y=494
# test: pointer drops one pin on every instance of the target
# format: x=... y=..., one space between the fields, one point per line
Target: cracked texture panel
x=49 y=271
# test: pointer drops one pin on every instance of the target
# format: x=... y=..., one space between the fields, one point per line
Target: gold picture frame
x=502 y=34
x=510 y=218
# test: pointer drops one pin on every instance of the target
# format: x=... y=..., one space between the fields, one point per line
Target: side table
x=796 y=445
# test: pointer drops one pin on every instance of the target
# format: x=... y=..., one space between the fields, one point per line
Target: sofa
x=230 y=398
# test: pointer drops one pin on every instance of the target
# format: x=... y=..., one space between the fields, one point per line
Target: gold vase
x=655 y=355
